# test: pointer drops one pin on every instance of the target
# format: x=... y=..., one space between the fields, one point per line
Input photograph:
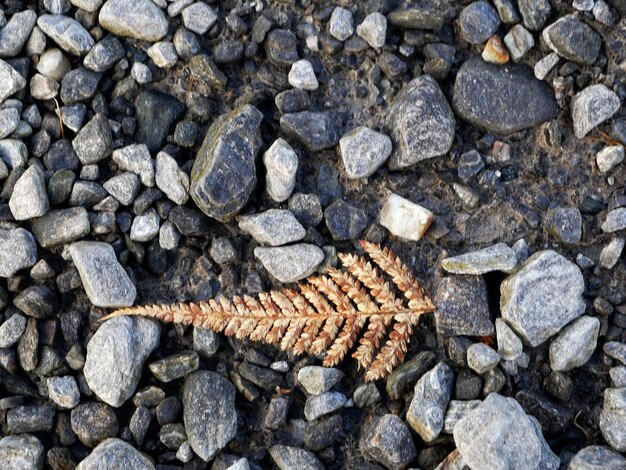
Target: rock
x=457 y=409
x=135 y=158
x=54 y=64
x=175 y=366
x=276 y=415
x=366 y=395
x=94 y=142
x=610 y=254
x=145 y=227
x=552 y=418
x=597 y=458
x=79 y=85
x=565 y=224
x=615 y=220
x=494 y=51
x=222 y=180
x=462 y=307
x=123 y=187
x=573 y=40
x=340 y=25
x=115 y=454
x=43 y=88
x=138 y=19
x=542 y=296
x=32 y=418
x=22 y=452
x=10 y=81
x=591 y=107
x=204 y=69
x=615 y=350
x=9 y=119
x=544 y=66
x=518 y=41
x=373 y=29
x=535 y=13
x=575 y=344
x=345 y=221
x=104 y=55
x=199 y=17
x=63 y=391
x=287 y=458
x=307 y=209
x=15 y=33
x=315 y=130
x=609 y=157
x=421 y=123
x=170 y=179
x=430 y=401
x=387 y=440
x=317 y=380
x=302 y=76
x=157 y=113
x=478 y=21
x=163 y=54
x=322 y=404
x=485 y=434
x=37 y=301
x=209 y=412
x=613 y=418
x=13 y=153
x=273 y=227
x=423 y=16
x=481 y=358
x=12 y=330
x=280 y=47
x=498 y=257
x=404 y=218
x=509 y=345
x=363 y=151
x=68 y=33
x=484 y=95
x=405 y=375
x=290 y=263
x=18 y=250
x=281 y=165
x=105 y=281
x=29 y=198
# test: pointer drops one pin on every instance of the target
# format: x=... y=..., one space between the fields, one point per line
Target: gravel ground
x=157 y=151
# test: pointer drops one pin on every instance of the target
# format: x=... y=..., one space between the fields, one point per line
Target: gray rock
x=54 y=64
x=169 y=236
x=12 y=330
x=615 y=350
x=86 y=194
x=462 y=307
x=290 y=263
x=22 y=452
x=104 y=55
x=9 y=119
x=221 y=179
x=535 y=13
x=139 y=19
x=68 y=33
x=43 y=88
x=404 y=377
x=145 y=227
x=18 y=250
x=373 y=29
x=363 y=151
x=615 y=220
x=281 y=165
x=205 y=341
x=175 y=366
x=345 y=221
x=597 y=458
x=280 y=47
x=421 y=123
x=63 y=391
x=163 y=54
x=366 y=395
x=61 y=226
x=79 y=85
x=340 y=25
x=157 y=114
x=607 y=158
x=10 y=81
x=478 y=22
x=518 y=41
x=565 y=224
x=315 y=130
x=543 y=67
x=302 y=76
x=123 y=187
x=498 y=257
x=498 y=435
x=13 y=153
x=481 y=358
x=115 y=454
x=15 y=33
x=322 y=404
x=29 y=198
x=104 y=280
x=613 y=418
x=388 y=440
x=94 y=422
x=209 y=413
x=115 y=357
x=198 y=17
x=542 y=296
x=573 y=40
x=273 y=227
x=31 y=418
x=575 y=344
x=423 y=16
x=591 y=107
x=170 y=179
x=484 y=95
x=618 y=376
x=457 y=409
x=430 y=401
x=317 y=379
x=510 y=347
x=287 y=458
x=135 y=158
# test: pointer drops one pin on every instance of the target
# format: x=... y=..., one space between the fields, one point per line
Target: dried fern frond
x=324 y=314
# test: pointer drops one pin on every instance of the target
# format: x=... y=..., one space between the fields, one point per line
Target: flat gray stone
x=478 y=22
x=115 y=357
x=22 y=452
x=575 y=344
x=613 y=418
x=105 y=281
x=123 y=187
x=145 y=227
x=481 y=358
x=542 y=296
x=462 y=307
x=498 y=257
x=115 y=454
x=373 y=29
x=9 y=119
x=13 y=152
x=273 y=227
x=573 y=40
x=290 y=263
x=68 y=33
x=323 y=404
x=18 y=250
x=61 y=226
x=457 y=409
x=315 y=130
x=535 y=13
x=317 y=379
x=591 y=107
x=12 y=330
x=615 y=220
x=139 y=19
x=340 y=24
x=29 y=198
x=63 y=391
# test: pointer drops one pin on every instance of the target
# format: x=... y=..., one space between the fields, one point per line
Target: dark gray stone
x=315 y=130
x=345 y=221
x=93 y=423
x=280 y=47
x=104 y=54
x=68 y=33
x=478 y=22
x=534 y=13
x=94 y=142
x=157 y=114
x=387 y=440
x=34 y=418
x=462 y=307
x=573 y=40
x=565 y=224
x=552 y=417
x=79 y=85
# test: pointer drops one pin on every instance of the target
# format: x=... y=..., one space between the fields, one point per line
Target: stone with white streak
x=404 y=218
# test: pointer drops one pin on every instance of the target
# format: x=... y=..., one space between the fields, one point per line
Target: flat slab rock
x=498 y=257
x=502 y=99
x=139 y=19
x=290 y=263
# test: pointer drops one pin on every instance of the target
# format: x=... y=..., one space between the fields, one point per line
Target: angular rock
x=575 y=344
x=222 y=179
x=29 y=198
x=9 y=119
x=302 y=76
x=273 y=227
x=457 y=409
x=104 y=54
x=199 y=17
x=363 y=151
x=68 y=33
x=518 y=41
x=209 y=413
x=510 y=347
x=114 y=453
x=15 y=33
x=421 y=123
x=135 y=158
x=61 y=226
x=170 y=179
x=388 y=440
x=609 y=157
x=139 y=19
x=175 y=366
x=10 y=81
x=317 y=379
x=542 y=296
x=478 y=22
x=345 y=221
x=535 y=13
x=21 y=452
x=573 y=40
x=498 y=257
x=462 y=307
x=613 y=418
x=610 y=254
x=123 y=187
x=597 y=458
x=340 y=25
x=322 y=404
x=552 y=417
x=157 y=113
x=280 y=47
x=406 y=375
x=591 y=107
x=63 y=391
x=18 y=250
x=94 y=142
x=404 y=218
x=145 y=227
x=13 y=153
x=104 y=280
x=481 y=358
x=373 y=29
x=287 y=458
x=12 y=330
x=281 y=165
x=79 y=85
x=315 y=130
x=565 y=224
